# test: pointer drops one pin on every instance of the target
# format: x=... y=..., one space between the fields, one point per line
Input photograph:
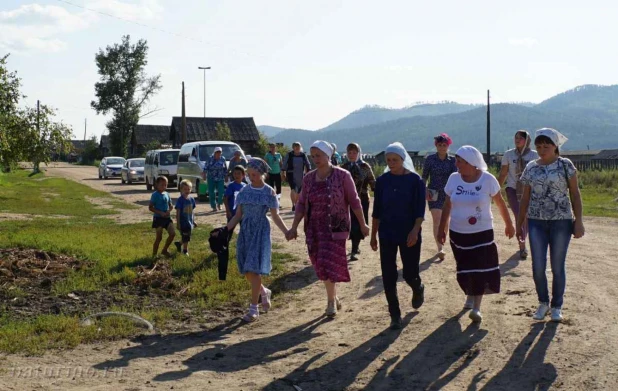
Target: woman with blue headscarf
x=398 y=212
x=363 y=178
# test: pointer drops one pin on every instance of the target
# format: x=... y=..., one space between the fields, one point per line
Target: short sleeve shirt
x=160 y=201
x=274 y=161
x=231 y=192
x=471 y=202
x=510 y=159
x=549 y=189
x=186 y=207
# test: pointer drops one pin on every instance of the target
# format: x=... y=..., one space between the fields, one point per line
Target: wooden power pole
x=488 y=131
x=184 y=117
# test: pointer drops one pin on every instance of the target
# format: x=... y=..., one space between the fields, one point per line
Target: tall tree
x=223 y=132
x=123 y=89
x=9 y=115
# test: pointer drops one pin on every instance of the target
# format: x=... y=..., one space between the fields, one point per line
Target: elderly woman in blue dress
x=436 y=171
x=469 y=193
x=253 y=247
x=215 y=172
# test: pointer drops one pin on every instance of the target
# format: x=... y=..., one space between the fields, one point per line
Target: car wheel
x=100 y=177
x=179 y=180
x=128 y=180
x=122 y=180
x=148 y=185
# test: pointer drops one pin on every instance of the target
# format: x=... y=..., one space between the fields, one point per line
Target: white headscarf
x=473 y=156
x=400 y=150
x=555 y=136
x=323 y=146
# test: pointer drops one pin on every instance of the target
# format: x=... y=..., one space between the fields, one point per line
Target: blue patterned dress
x=253 y=247
x=437 y=172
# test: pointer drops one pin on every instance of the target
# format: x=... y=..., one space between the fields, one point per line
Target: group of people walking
x=334 y=199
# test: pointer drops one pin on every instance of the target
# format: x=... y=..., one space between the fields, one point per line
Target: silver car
x=132 y=171
x=110 y=166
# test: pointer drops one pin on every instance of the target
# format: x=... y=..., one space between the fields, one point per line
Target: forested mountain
x=586 y=124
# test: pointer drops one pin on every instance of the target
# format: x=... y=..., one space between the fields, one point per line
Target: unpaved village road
x=294 y=348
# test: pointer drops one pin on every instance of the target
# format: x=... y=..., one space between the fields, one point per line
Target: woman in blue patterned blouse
x=437 y=168
x=215 y=171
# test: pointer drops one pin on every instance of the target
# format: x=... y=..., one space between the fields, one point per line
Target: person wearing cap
x=253 y=246
x=398 y=213
x=469 y=193
x=552 y=205
x=326 y=199
x=237 y=160
x=295 y=166
x=436 y=170
x=513 y=163
x=363 y=178
x=215 y=171
x=275 y=161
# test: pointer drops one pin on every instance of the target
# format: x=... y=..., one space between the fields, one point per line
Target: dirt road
x=294 y=348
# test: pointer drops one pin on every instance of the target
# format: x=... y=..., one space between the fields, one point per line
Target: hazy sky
x=306 y=64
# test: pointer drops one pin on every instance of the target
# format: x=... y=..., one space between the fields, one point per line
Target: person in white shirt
x=513 y=163
x=469 y=193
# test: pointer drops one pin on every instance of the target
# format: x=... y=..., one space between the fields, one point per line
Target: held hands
x=292 y=233
x=374 y=243
x=578 y=229
x=427 y=195
x=412 y=237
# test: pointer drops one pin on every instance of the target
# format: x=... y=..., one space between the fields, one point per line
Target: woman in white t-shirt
x=513 y=163
x=469 y=193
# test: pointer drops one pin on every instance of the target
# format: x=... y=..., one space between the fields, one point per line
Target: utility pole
x=85 y=127
x=488 y=131
x=183 y=125
x=204 y=69
x=38 y=129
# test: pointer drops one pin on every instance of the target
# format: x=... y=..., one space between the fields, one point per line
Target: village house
x=145 y=136
x=243 y=131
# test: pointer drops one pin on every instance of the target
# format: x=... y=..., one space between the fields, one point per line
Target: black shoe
x=353 y=257
x=178 y=246
x=396 y=323
x=418 y=297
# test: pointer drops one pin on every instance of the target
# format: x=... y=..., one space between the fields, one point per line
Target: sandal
x=250 y=317
x=266 y=304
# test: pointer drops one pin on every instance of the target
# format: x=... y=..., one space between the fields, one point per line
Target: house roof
x=145 y=134
x=606 y=154
x=585 y=152
x=78 y=144
x=203 y=129
x=104 y=143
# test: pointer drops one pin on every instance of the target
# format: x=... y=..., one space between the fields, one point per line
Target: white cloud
x=40 y=28
x=526 y=42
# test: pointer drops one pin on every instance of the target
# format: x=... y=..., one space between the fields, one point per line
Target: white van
x=161 y=162
x=193 y=157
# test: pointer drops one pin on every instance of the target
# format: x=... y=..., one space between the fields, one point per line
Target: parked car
x=132 y=170
x=161 y=162
x=193 y=156
x=110 y=166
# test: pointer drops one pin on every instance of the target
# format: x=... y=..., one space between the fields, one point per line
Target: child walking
x=229 y=200
x=253 y=247
x=185 y=205
x=161 y=206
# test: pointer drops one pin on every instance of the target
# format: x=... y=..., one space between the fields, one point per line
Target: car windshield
x=206 y=151
x=115 y=161
x=168 y=158
x=136 y=163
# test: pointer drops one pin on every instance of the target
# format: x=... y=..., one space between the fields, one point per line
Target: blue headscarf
x=258 y=165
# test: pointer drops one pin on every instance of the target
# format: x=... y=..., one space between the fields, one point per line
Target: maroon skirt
x=478 y=268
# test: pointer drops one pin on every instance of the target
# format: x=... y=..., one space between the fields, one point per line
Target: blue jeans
x=219 y=186
x=556 y=234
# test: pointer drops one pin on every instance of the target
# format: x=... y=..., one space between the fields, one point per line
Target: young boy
x=232 y=191
x=184 y=215
x=161 y=206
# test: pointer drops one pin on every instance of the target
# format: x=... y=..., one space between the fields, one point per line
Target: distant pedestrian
x=215 y=172
x=237 y=160
x=437 y=169
x=275 y=161
x=296 y=165
x=253 y=247
x=185 y=219
x=552 y=204
x=469 y=193
x=336 y=158
x=161 y=205
x=514 y=162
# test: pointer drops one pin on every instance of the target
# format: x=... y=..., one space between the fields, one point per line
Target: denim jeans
x=555 y=234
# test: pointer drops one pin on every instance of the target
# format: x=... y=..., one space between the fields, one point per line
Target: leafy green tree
x=223 y=132
x=91 y=151
x=123 y=89
x=154 y=144
x=261 y=147
x=9 y=115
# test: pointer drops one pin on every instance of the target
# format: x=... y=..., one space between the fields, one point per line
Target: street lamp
x=204 y=69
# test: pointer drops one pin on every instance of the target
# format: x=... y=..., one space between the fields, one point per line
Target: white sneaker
x=469 y=304
x=476 y=316
x=541 y=312
x=556 y=315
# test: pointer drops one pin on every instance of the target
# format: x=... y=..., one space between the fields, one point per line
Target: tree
x=91 y=151
x=261 y=147
x=9 y=115
x=222 y=132
x=154 y=144
x=123 y=89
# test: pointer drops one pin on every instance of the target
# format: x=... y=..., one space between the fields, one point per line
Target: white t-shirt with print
x=549 y=189
x=471 y=202
x=510 y=159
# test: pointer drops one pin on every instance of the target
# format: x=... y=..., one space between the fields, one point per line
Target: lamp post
x=204 y=69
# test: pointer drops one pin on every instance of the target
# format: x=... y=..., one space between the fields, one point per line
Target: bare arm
x=446 y=215
x=509 y=230
x=524 y=203
x=156 y=211
x=274 y=213
x=236 y=219
x=576 y=201
x=504 y=172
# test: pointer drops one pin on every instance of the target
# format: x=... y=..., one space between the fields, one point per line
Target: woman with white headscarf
x=328 y=193
x=552 y=205
x=469 y=193
x=398 y=212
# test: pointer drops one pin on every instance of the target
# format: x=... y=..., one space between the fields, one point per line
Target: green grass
x=113 y=253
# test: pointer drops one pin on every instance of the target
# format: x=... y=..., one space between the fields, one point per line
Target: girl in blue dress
x=253 y=246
